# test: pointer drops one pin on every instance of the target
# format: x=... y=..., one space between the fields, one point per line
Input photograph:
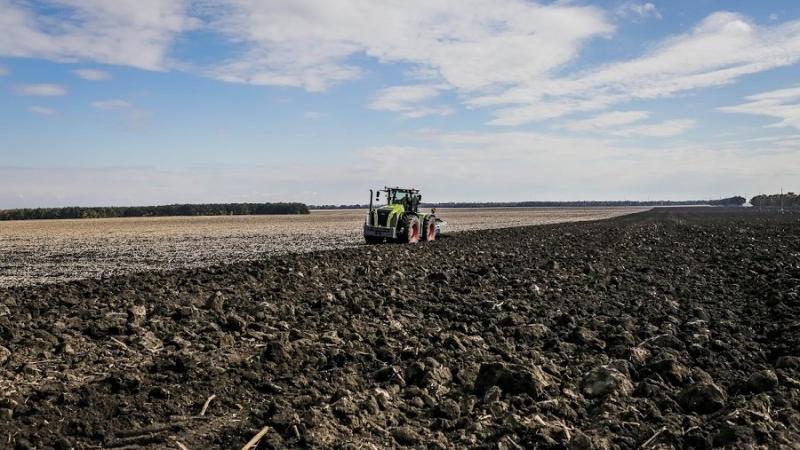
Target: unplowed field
x=61 y=250
x=660 y=330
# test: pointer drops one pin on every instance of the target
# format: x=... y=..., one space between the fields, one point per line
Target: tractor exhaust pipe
x=370 y=207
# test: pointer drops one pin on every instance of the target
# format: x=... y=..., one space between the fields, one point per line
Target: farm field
x=674 y=328
x=47 y=251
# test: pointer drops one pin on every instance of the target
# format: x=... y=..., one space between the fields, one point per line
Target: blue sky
x=162 y=101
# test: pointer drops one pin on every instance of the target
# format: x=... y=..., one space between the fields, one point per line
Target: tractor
x=399 y=220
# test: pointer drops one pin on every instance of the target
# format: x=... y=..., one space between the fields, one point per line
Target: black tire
x=410 y=229
x=429 y=228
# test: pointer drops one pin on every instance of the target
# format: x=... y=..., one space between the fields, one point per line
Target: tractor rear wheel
x=411 y=230
x=429 y=229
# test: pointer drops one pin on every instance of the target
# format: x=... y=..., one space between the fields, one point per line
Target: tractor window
x=398 y=197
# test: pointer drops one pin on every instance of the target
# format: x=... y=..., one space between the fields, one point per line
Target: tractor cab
x=408 y=198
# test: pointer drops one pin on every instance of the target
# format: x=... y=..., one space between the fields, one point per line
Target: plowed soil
x=52 y=251
x=664 y=329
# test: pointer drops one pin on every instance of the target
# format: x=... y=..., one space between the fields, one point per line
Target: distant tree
x=731 y=201
x=788 y=200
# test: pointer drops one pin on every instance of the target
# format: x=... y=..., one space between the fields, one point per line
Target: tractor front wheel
x=412 y=230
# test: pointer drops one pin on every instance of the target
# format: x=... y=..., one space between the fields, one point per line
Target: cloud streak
x=410 y=100
x=783 y=104
x=123 y=32
x=721 y=49
x=42 y=110
x=111 y=104
x=603 y=122
x=638 y=10
x=41 y=90
x=629 y=124
x=92 y=74
x=667 y=128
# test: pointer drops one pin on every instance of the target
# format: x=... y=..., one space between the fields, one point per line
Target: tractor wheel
x=429 y=229
x=411 y=230
x=371 y=240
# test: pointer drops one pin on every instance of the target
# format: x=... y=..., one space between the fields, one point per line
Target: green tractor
x=399 y=220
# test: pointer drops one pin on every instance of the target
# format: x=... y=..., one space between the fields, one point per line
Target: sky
x=141 y=102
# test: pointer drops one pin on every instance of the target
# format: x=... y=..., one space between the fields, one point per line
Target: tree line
x=209 y=209
x=788 y=200
x=730 y=201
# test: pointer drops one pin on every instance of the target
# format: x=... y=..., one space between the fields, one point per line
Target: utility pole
x=781 y=199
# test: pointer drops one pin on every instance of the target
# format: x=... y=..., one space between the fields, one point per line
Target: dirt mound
x=668 y=328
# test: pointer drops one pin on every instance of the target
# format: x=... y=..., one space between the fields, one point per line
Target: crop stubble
x=50 y=251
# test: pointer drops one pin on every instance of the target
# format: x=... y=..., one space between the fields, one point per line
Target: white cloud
x=620 y=123
x=500 y=55
x=135 y=33
x=408 y=100
x=503 y=55
x=603 y=122
x=42 y=110
x=755 y=140
x=508 y=55
x=314 y=115
x=782 y=104
x=468 y=44
x=111 y=104
x=719 y=50
x=397 y=98
x=638 y=10
x=424 y=111
x=666 y=128
x=41 y=90
x=92 y=74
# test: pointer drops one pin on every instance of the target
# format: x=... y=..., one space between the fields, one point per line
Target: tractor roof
x=387 y=188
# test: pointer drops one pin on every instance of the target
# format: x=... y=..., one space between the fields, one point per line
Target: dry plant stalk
x=254 y=440
x=205 y=405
